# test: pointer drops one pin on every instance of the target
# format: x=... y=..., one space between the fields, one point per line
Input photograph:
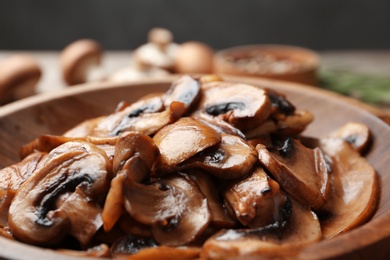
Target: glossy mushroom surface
x=197 y=184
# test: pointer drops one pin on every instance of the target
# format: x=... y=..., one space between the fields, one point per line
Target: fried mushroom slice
x=243 y=106
x=205 y=182
x=232 y=158
x=272 y=241
x=300 y=171
x=354 y=188
x=174 y=207
x=185 y=89
x=12 y=177
x=256 y=200
x=180 y=141
x=357 y=134
x=147 y=123
x=75 y=166
x=132 y=144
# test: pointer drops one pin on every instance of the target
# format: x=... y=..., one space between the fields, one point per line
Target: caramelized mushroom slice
x=45 y=143
x=147 y=123
x=302 y=229
x=72 y=167
x=12 y=177
x=294 y=124
x=302 y=172
x=203 y=179
x=128 y=146
x=354 y=188
x=357 y=134
x=243 y=106
x=84 y=128
x=219 y=125
x=185 y=89
x=256 y=200
x=181 y=140
x=175 y=207
x=230 y=159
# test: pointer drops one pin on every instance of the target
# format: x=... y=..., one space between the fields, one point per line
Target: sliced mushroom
x=84 y=128
x=181 y=140
x=222 y=127
x=354 y=188
x=294 y=124
x=302 y=229
x=243 y=106
x=300 y=171
x=231 y=158
x=266 y=128
x=19 y=75
x=185 y=89
x=130 y=226
x=44 y=143
x=12 y=177
x=357 y=134
x=256 y=200
x=147 y=123
x=281 y=106
x=128 y=146
x=221 y=218
x=175 y=207
x=78 y=58
x=75 y=166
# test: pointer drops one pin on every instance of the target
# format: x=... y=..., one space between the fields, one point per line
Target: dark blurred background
x=123 y=24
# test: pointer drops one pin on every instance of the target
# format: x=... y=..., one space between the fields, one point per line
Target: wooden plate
x=54 y=113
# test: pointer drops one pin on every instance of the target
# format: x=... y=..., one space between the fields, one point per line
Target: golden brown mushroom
x=257 y=200
x=300 y=171
x=181 y=140
x=42 y=211
x=272 y=241
x=354 y=188
x=243 y=106
x=231 y=158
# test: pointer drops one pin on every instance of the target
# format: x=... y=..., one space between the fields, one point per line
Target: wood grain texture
x=54 y=113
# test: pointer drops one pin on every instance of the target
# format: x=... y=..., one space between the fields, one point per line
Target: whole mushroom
x=78 y=59
x=19 y=75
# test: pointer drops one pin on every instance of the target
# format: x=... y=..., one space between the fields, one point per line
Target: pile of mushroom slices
x=208 y=169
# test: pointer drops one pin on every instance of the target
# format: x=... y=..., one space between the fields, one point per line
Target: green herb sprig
x=368 y=88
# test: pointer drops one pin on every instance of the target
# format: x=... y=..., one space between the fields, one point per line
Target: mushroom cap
x=78 y=58
x=19 y=75
x=194 y=58
x=160 y=36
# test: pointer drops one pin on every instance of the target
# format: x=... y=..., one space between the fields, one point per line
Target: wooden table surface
x=374 y=62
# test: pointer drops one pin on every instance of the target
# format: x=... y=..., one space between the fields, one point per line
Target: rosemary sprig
x=368 y=88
